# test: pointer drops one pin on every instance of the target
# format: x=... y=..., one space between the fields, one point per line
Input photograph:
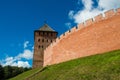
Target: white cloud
x=89 y=11
x=109 y=4
x=13 y=64
x=12 y=61
x=26 y=44
x=27 y=54
x=8 y=61
x=71 y=14
x=17 y=60
x=87 y=4
x=23 y=64
x=82 y=16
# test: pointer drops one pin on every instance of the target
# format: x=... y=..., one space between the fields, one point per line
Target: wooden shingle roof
x=45 y=27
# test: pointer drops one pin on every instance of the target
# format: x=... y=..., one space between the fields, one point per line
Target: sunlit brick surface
x=96 y=38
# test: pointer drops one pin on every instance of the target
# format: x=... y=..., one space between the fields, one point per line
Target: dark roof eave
x=44 y=31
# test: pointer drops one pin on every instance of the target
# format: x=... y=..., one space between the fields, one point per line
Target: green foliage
x=10 y=71
x=1 y=73
x=98 y=67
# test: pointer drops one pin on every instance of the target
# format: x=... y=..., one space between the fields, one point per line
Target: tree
x=8 y=71
x=1 y=73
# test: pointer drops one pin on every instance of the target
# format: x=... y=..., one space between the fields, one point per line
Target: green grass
x=98 y=67
x=25 y=74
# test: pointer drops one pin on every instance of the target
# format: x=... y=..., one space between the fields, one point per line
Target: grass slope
x=98 y=67
x=25 y=74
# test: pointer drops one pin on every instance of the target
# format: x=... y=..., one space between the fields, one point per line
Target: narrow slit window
x=38 y=40
x=47 y=40
x=42 y=46
x=39 y=33
x=51 y=34
x=39 y=46
x=42 y=40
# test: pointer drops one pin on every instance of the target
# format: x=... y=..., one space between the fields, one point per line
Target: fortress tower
x=42 y=38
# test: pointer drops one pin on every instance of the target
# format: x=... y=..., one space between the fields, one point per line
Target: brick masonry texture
x=96 y=36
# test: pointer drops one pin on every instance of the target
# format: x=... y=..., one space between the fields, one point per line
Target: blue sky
x=19 y=19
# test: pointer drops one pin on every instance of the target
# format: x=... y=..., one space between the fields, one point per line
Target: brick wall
x=97 y=36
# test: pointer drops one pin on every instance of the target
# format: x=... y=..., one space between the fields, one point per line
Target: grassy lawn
x=97 y=67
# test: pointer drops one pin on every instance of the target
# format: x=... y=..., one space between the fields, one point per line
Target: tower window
x=42 y=40
x=47 y=40
x=40 y=33
x=54 y=34
x=43 y=33
x=51 y=34
x=39 y=46
x=42 y=46
x=47 y=34
x=38 y=40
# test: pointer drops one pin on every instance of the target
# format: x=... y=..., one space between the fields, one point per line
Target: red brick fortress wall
x=97 y=35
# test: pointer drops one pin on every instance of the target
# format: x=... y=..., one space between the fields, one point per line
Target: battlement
x=98 y=18
x=118 y=11
x=108 y=14
x=67 y=35
x=80 y=26
x=89 y=22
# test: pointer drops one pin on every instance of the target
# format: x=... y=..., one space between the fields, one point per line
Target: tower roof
x=45 y=27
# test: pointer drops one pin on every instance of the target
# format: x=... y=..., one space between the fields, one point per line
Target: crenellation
x=67 y=33
x=80 y=26
x=76 y=27
x=53 y=43
x=73 y=29
x=58 y=37
x=62 y=36
x=118 y=11
x=50 y=45
x=98 y=18
x=109 y=13
x=89 y=22
x=69 y=30
x=57 y=40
